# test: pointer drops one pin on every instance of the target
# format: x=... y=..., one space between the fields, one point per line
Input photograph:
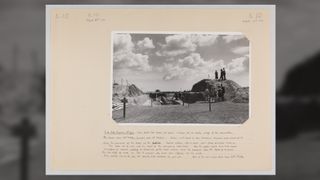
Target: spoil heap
x=126 y=90
x=233 y=91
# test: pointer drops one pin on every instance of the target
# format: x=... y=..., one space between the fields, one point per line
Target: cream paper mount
x=160 y=89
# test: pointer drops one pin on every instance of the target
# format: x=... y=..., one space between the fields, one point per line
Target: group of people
x=222 y=74
x=217 y=93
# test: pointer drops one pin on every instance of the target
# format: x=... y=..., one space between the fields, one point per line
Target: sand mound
x=126 y=90
x=134 y=95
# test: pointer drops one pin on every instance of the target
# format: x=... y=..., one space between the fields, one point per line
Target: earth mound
x=126 y=90
x=242 y=95
x=233 y=91
x=134 y=95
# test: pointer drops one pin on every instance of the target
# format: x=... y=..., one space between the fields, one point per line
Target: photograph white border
x=180 y=32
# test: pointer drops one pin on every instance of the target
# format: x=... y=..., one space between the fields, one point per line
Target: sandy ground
x=222 y=112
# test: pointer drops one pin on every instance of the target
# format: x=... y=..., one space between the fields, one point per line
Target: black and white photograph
x=180 y=77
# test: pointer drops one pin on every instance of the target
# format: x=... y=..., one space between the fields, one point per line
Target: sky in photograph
x=174 y=62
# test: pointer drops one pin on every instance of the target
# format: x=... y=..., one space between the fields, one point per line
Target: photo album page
x=160 y=90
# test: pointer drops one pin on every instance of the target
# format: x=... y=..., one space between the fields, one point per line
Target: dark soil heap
x=233 y=91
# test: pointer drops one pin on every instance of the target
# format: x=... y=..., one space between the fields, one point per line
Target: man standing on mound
x=224 y=74
x=221 y=75
x=216 y=75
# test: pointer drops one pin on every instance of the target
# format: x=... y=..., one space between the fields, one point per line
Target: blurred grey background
x=22 y=88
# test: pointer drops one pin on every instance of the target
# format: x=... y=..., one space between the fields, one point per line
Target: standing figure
x=221 y=75
x=207 y=94
x=224 y=74
x=216 y=75
x=214 y=95
x=212 y=92
x=219 y=93
x=223 y=90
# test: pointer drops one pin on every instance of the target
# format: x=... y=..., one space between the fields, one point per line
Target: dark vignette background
x=22 y=87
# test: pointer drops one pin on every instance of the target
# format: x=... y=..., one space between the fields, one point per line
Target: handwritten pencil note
x=95 y=17
x=256 y=17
